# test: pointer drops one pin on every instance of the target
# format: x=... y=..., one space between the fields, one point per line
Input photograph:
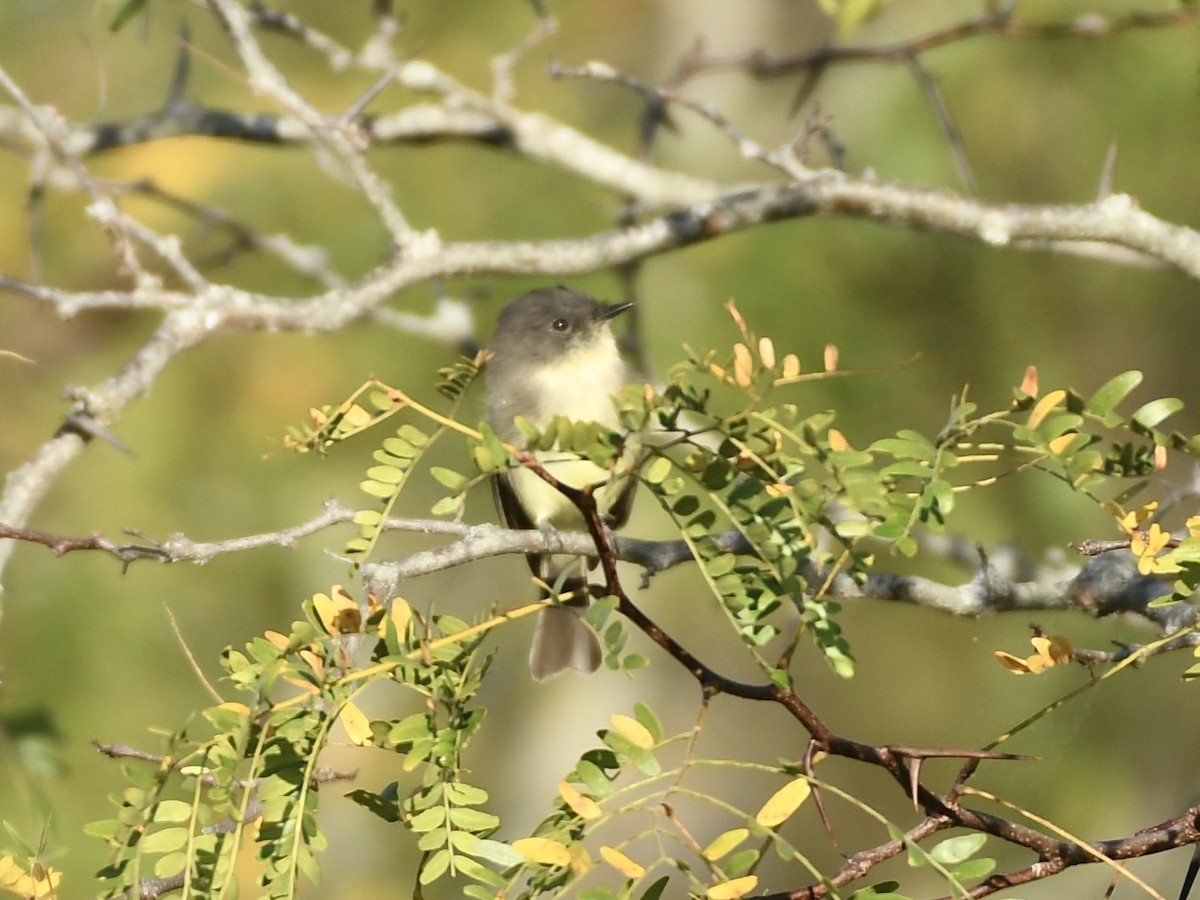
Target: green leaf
x=127 y=11
x=1060 y=423
x=455 y=481
x=485 y=460
x=1156 y=410
x=369 y=518
x=386 y=474
x=885 y=890
x=1187 y=551
x=955 y=850
x=906 y=468
x=102 y=828
x=170 y=864
x=649 y=720
x=720 y=565
x=496 y=851
x=409 y=729
x=306 y=862
x=413 y=435
x=594 y=779
x=645 y=761
x=481 y=873
x=657 y=471
x=461 y=794
x=473 y=819
x=172 y=811
x=634 y=661
x=741 y=862
x=974 y=869
x=399 y=448
x=448 y=506
x=435 y=867
x=165 y=840
x=377 y=489
x=1113 y=392
x=906 y=445
x=432 y=818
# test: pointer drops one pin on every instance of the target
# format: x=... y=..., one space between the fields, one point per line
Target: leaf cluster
x=723 y=450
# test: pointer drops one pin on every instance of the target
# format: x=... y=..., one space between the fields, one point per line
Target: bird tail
x=561 y=641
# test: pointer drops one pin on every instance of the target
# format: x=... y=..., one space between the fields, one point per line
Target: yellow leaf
x=766 y=352
x=1048 y=651
x=1029 y=384
x=1133 y=520
x=791 y=366
x=338 y=612
x=583 y=806
x=1013 y=663
x=374 y=608
x=632 y=730
x=1160 y=458
x=1062 y=442
x=318 y=664
x=1156 y=538
x=1037 y=664
x=837 y=440
x=621 y=862
x=783 y=803
x=831 y=357
x=326 y=611
x=48 y=881
x=356 y=416
x=279 y=641
x=357 y=725
x=303 y=683
x=743 y=365
x=543 y=851
x=1044 y=406
x=733 y=889
x=401 y=615
x=1041 y=644
x=581 y=860
x=234 y=707
x=724 y=843
x=1055 y=650
x=736 y=315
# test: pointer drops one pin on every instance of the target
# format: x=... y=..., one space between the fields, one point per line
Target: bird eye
x=560 y=325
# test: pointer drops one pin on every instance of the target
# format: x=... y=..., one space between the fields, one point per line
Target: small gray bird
x=554 y=355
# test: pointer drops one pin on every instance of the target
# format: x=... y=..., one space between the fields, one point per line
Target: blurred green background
x=93 y=647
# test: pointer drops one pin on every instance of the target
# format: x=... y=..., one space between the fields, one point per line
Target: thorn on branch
x=183 y=64
x=83 y=425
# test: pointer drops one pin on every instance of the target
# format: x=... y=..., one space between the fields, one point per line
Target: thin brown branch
x=901 y=762
x=999 y=23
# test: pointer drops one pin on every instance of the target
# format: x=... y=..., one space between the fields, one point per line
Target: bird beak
x=612 y=310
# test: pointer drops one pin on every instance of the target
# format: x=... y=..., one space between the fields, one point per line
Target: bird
x=554 y=354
